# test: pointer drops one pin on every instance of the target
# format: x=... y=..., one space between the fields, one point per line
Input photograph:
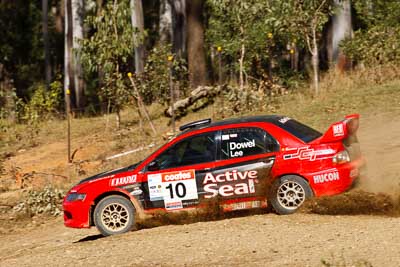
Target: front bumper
x=76 y=214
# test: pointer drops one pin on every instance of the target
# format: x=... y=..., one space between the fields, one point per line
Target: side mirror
x=153 y=166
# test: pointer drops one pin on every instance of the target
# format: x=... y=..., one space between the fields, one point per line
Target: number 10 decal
x=180 y=190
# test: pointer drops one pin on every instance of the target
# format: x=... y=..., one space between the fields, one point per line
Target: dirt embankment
x=353 y=229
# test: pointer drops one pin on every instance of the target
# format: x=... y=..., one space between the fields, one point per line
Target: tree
x=109 y=49
x=309 y=18
x=178 y=27
x=195 y=43
x=341 y=28
x=377 y=36
x=242 y=29
x=77 y=13
x=68 y=83
x=138 y=34
x=165 y=23
x=47 y=66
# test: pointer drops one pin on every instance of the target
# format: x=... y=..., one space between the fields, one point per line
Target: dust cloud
x=355 y=202
x=378 y=191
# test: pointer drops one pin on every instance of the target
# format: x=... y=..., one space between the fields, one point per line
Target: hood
x=109 y=173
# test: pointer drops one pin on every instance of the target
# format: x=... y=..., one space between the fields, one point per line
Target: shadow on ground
x=89 y=238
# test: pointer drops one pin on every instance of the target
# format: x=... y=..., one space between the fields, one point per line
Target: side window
x=192 y=150
x=242 y=142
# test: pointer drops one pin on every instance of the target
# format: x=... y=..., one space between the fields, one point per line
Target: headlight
x=75 y=197
x=341 y=157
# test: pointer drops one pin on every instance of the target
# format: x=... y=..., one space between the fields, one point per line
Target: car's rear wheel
x=114 y=215
x=288 y=193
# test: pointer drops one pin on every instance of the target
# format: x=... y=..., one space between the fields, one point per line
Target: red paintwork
x=306 y=168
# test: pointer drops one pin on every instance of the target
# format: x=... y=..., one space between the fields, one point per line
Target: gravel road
x=259 y=240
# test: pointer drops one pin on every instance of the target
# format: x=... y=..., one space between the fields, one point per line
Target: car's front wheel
x=114 y=215
x=288 y=193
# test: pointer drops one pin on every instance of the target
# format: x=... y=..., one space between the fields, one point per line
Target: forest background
x=86 y=48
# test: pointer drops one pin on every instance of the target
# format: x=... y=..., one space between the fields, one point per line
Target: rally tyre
x=288 y=193
x=114 y=215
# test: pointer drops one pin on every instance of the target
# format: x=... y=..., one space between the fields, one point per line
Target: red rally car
x=241 y=163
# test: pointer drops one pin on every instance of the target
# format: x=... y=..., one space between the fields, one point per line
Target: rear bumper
x=76 y=214
x=337 y=179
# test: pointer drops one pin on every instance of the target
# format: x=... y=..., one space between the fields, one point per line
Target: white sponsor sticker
x=178 y=186
x=338 y=130
x=225 y=137
x=284 y=120
x=256 y=204
x=155 y=186
x=173 y=188
x=173 y=205
x=239 y=206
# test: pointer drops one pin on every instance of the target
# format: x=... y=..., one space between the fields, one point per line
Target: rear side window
x=301 y=131
x=242 y=142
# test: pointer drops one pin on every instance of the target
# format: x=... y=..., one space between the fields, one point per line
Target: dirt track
x=263 y=240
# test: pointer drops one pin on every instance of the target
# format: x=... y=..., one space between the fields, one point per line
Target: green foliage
x=21 y=46
x=236 y=23
x=109 y=51
x=5 y=99
x=378 y=40
x=42 y=104
x=266 y=29
x=154 y=82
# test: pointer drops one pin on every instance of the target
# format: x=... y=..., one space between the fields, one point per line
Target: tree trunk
x=195 y=44
x=99 y=7
x=241 y=70
x=178 y=26
x=294 y=57
x=78 y=14
x=68 y=83
x=7 y=95
x=59 y=16
x=315 y=61
x=138 y=34
x=47 y=67
x=165 y=24
x=341 y=28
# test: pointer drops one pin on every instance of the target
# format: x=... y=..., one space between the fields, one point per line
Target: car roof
x=274 y=119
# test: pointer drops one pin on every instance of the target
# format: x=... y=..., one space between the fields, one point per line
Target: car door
x=172 y=175
x=245 y=158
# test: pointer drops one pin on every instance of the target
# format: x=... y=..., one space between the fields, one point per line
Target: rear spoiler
x=342 y=130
